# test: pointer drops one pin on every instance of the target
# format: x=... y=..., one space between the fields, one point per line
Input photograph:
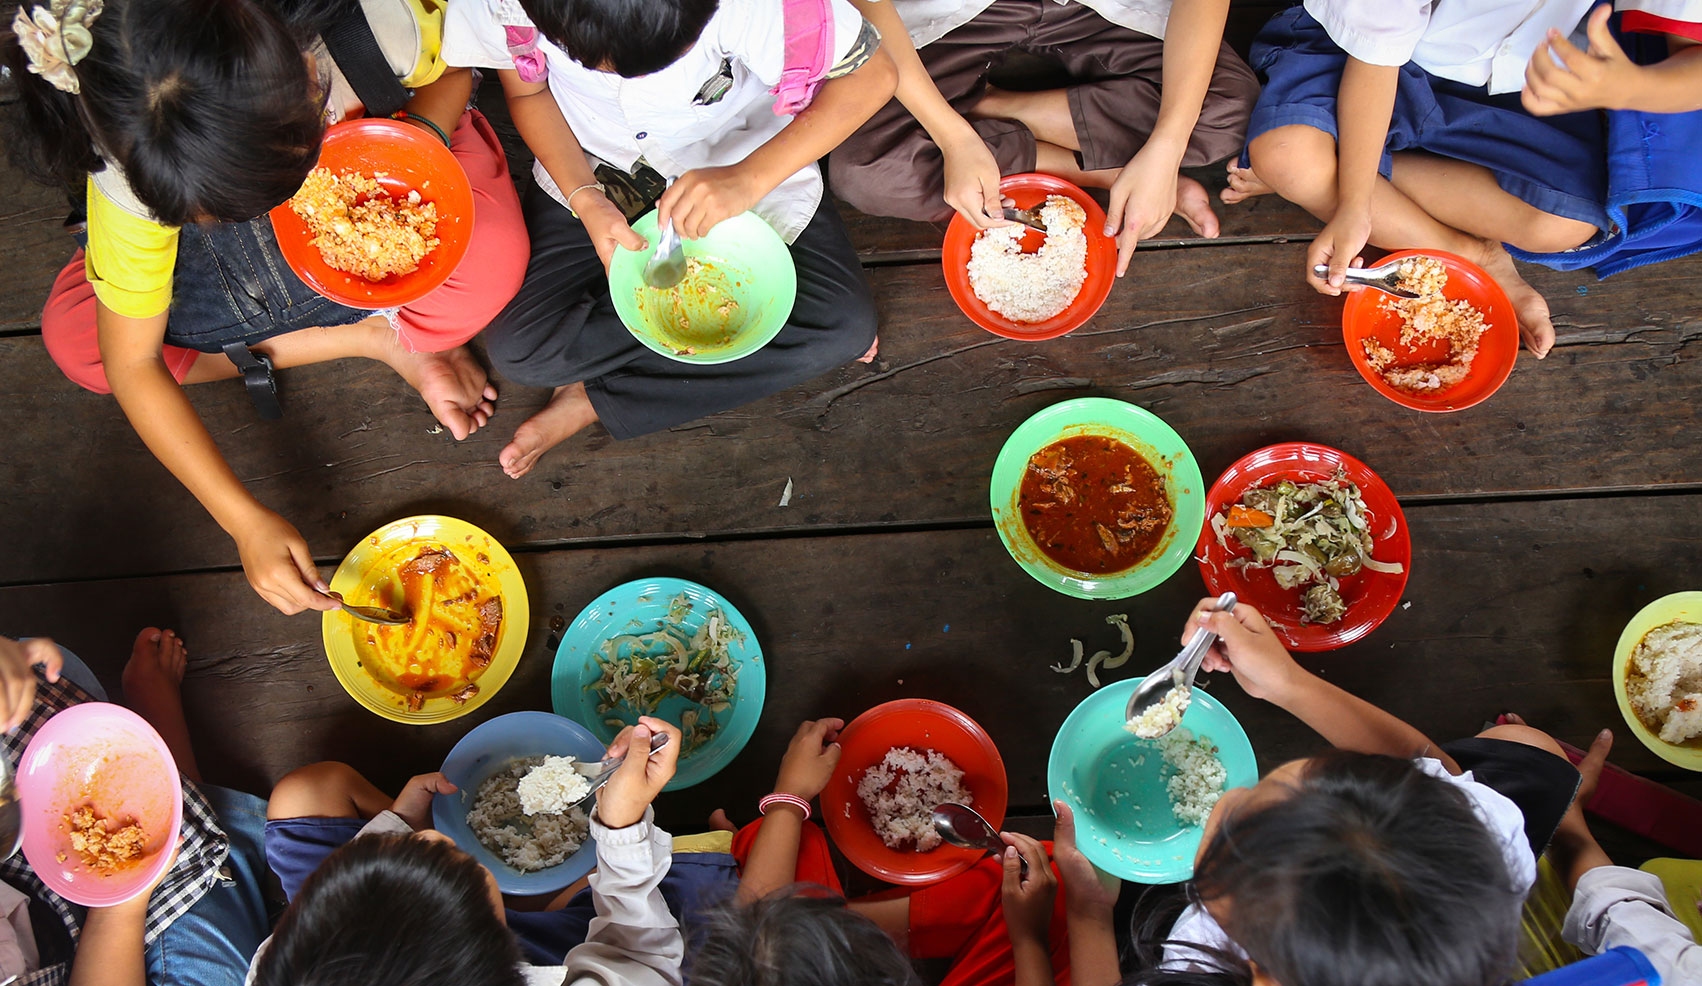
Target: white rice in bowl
x=1663 y=681
x=1164 y=715
x=1198 y=778
x=525 y=842
x=552 y=787
x=902 y=791
x=1032 y=287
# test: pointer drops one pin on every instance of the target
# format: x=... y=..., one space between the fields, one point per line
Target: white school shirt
x=1475 y=42
x=1498 y=814
x=1614 y=906
x=930 y=20
x=653 y=117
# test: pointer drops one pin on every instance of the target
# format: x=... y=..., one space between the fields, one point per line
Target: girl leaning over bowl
x=183 y=122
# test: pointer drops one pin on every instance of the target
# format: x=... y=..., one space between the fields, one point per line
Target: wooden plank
x=33 y=247
x=1230 y=352
x=1514 y=606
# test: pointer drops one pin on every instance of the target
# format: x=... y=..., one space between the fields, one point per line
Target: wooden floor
x=1540 y=521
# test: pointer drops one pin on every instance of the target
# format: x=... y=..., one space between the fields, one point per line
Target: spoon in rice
x=963 y=826
x=1180 y=672
x=1384 y=277
x=600 y=772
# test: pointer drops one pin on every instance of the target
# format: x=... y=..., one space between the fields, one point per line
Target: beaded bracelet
x=784 y=799
x=405 y=115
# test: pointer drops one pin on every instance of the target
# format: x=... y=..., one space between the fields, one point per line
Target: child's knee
x=1514 y=733
x=1548 y=233
x=318 y=790
x=1297 y=161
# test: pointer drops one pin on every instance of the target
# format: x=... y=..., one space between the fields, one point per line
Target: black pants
x=562 y=328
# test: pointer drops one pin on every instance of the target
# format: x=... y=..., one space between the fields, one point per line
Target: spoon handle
x=607 y=767
x=1194 y=654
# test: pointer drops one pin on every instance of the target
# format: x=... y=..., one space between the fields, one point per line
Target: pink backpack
x=809 y=43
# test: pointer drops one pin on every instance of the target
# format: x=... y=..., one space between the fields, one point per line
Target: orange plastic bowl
x=922 y=725
x=1028 y=191
x=410 y=160
x=1365 y=316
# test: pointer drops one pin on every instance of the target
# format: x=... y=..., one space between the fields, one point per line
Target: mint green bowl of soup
x=736 y=296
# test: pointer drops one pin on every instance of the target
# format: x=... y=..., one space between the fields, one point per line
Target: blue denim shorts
x=1557 y=164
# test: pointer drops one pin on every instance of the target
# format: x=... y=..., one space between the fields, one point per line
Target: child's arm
x=275 y=556
x=1364 y=104
x=1027 y=903
x=971 y=173
x=443 y=101
x=110 y=949
x=1089 y=898
x=804 y=772
x=1247 y=648
x=546 y=132
x=702 y=197
x=1604 y=78
x=1144 y=194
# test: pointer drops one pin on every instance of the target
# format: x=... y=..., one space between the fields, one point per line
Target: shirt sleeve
x=1384 y=33
x=633 y=940
x=472 y=38
x=1680 y=17
x=752 y=35
x=1615 y=906
x=1499 y=815
x=129 y=260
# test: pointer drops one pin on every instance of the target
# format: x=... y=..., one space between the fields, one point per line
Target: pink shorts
x=479 y=288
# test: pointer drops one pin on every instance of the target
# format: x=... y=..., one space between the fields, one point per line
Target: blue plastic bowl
x=482 y=753
x=1115 y=783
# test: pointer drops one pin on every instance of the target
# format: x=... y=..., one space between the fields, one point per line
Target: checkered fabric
x=202 y=854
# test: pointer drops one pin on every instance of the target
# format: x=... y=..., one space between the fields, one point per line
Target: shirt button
x=643 y=134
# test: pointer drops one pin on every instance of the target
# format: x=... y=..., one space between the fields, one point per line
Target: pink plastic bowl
x=109 y=757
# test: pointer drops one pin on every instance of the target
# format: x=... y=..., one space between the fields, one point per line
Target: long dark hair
x=631 y=37
x=208 y=106
x=395 y=910
x=1372 y=874
x=802 y=935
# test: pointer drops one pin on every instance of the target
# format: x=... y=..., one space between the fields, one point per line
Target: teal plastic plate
x=1115 y=784
x=638 y=607
x=1134 y=426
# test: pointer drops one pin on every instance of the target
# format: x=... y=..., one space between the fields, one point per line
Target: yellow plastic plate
x=1680 y=606
x=366 y=578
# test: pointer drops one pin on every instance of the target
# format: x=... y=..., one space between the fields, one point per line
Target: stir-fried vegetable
x=1310 y=535
x=1101 y=659
x=640 y=670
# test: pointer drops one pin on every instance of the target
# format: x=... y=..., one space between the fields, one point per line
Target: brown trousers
x=890 y=167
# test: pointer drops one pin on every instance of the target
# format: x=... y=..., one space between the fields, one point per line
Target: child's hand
x=414 y=803
x=1028 y=901
x=607 y=226
x=1245 y=647
x=279 y=565
x=810 y=759
x=640 y=777
x=1142 y=200
x=1338 y=248
x=702 y=197
x=972 y=182
x=17 y=681
x=1086 y=889
x=1601 y=78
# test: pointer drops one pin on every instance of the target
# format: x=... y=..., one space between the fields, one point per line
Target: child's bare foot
x=1193 y=204
x=719 y=822
x=453 y=385
x=874 y=350
x=1536 y=328
x=1243 y=184
x=153 y=687
x=568 y=411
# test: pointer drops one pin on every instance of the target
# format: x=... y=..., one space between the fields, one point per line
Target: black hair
x=1373 y=873
x=395 y=910
x=208 y=106
x=798 y=936
x=630 y=37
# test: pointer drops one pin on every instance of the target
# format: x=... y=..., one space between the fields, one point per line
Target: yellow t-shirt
x=130 y=258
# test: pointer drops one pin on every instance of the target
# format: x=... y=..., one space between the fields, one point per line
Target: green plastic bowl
x=1133 y=426
x=748 y=263
x=1115 y=784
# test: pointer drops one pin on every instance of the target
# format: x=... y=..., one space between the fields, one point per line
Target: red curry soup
x=1093 y=504
x=456 y=622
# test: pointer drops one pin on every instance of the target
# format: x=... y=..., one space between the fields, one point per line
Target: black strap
x=257 y=377
x=362 y=62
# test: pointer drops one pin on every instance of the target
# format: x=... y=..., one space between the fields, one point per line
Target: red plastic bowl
x=411 y=160
x=1370 y=596
x=1028 y=191
x=1366 y=316
x=921 y=724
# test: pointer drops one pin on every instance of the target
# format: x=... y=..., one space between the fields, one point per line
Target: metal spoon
x=602 y=770
x=1025 y=216
x=372 y=614
x=1160 y=682
x=963 y=826
x=11 y=813
x=1383 y=277
x=668 y=262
